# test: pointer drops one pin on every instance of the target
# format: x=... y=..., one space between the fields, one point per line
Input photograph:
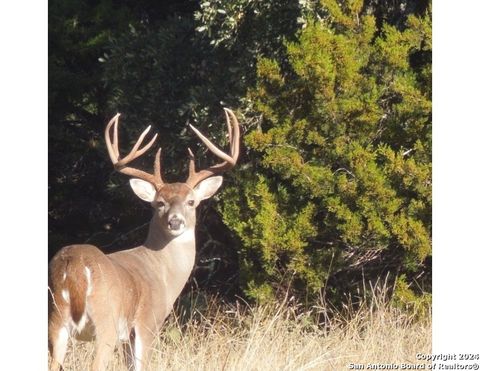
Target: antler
x=229 y=161
x=120 y=163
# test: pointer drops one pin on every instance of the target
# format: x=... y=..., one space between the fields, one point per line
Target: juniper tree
x=339 y=172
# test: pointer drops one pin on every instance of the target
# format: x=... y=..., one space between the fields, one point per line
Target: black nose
x=175 y=224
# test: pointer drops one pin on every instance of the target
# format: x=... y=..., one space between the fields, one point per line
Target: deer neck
x=176 y=254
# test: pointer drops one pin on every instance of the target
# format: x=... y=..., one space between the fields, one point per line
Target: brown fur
x=136 y=286
x=171 y=190
x=76 y=284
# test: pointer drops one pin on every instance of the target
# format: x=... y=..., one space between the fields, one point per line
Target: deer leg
x=128 y=351
x=106 y=340
x=58 y=342
x=57 y=335
x=142 y=347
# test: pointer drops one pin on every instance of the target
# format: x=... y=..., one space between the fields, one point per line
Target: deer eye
x=191 y=202
x=160 y=204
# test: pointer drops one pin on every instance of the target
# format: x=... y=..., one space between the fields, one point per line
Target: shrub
x=339 y=173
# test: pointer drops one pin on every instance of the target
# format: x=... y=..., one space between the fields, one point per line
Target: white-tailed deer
x=126 y=296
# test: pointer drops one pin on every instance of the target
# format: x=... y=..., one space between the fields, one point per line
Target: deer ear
x=143 y=189
x=207 y=188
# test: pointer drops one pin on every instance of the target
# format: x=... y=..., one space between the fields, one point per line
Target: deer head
x=174 y=204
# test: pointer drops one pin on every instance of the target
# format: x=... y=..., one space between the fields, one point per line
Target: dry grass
x=281 y=337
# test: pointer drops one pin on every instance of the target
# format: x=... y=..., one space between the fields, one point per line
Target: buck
x=125 y=297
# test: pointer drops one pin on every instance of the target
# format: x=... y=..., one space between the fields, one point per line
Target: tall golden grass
x=284 y=336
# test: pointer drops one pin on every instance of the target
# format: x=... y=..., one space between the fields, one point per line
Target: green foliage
x=276 y=236
x=341 y=155
x=86 y=203
x=78 y=34
x=406 y=299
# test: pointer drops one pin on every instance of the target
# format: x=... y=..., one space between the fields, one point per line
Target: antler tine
x=120 y=163
x=229 y=161
x=212 y=146
x=115 y=135
x=235 y=138
x=112 y=150
x=157 y=169
x=229 y=127
x=135 y=152
x=191 y=164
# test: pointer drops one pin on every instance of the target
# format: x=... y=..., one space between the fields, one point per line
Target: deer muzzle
x=176 y=223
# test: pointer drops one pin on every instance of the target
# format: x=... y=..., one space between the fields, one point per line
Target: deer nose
x=175 y=223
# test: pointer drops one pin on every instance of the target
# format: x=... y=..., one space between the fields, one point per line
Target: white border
x=23 y=150
x=456 y=199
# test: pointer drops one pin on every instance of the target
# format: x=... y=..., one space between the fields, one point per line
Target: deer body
x=127 y=295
